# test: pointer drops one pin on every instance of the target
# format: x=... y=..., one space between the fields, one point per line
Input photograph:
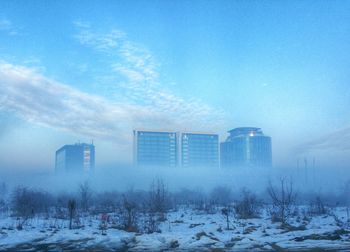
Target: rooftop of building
x=246 y=131
x=177 y=132
x=75 y=145
x=155 y=131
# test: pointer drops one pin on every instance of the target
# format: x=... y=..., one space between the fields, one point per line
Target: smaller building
x=199 y=150
x=79 y=158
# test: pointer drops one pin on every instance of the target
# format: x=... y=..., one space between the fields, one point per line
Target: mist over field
x=148 y=125
x=310 y=180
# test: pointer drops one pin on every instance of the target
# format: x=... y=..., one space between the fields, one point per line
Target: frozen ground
x=184 y=230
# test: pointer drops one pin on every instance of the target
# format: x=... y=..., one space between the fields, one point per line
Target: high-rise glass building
x=246 y=146
x=199 y=150
x=155 y=148
x=78 y=157
x=171 y=149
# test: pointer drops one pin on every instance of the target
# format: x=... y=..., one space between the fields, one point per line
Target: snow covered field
x=183 y=230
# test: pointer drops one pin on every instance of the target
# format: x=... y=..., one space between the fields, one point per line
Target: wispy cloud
x=336 y=141
x=141 y=79
x=143 y=102
x=44 y=101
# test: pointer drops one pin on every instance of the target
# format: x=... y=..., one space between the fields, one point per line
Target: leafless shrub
x=248 y=206
x=26 y=203
x=282 y=199
x=21 y=203
x=317 y=207
x=129 y=215
x=85 y=195
x=157 y=205
x=158 y=199
x=151 y=223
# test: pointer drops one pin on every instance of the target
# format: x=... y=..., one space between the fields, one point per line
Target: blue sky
x=73 y=70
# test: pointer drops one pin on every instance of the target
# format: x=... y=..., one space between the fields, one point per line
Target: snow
x=184 y=229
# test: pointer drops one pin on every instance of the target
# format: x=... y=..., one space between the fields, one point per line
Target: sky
x=95 y=70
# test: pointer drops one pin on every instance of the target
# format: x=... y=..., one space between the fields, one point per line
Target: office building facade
x=246 y=146
x=155 y=148
x=174 y=149
x=79 y=158
x=199 y=150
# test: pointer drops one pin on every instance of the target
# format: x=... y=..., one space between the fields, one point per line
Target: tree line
x=144 y=210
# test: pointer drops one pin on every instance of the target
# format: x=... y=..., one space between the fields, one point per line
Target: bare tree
x=26 y=203
x=129 y=215
x=21 y=202
x=282 y=199
x=158 y=199
x=85 y=195
x=71 y=209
